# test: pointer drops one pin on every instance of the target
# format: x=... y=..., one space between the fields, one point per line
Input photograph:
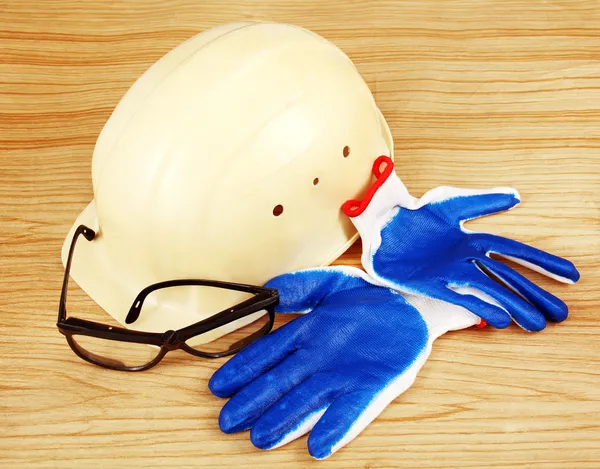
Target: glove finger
x=521 y=311
x=553 y=308
x=296 y=413
x=467 y=204
x=494 y=315
x=341 y=423
x=301 y=291
x=245 y=407
x=540 y=261
x=254 y=360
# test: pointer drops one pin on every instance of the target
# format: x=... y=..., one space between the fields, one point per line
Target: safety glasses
x=128 y=350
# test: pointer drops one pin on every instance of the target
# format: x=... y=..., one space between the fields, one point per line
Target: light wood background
x=477 y=92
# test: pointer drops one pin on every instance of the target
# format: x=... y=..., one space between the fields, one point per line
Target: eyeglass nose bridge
x=171 y=340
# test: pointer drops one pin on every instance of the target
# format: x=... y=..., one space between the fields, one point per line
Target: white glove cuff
x=379 y=205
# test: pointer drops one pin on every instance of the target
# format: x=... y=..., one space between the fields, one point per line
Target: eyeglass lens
x=178 y=306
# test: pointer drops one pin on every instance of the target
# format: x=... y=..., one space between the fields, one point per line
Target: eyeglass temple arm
x=265 y=300
x=136 y=308
x=89 y=234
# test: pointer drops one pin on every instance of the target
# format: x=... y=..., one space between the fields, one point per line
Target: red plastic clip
x=353 y=208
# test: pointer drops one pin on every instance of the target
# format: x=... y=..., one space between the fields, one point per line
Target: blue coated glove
x=420 y=246
x=335 y=369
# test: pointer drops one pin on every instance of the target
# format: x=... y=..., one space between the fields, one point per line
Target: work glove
x=335 y=368
x=421 y=246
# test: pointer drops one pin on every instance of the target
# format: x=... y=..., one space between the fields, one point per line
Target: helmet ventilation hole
x=278 y=210
x=315 y=181
x=346 y=151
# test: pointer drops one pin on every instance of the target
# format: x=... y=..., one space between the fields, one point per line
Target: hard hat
x=228 y=159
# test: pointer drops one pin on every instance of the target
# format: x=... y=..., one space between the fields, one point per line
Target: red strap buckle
x=352 y=207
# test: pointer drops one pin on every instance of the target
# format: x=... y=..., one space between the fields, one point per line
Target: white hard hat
x=229 y=159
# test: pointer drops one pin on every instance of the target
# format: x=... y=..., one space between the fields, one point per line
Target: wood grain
x=477 y=93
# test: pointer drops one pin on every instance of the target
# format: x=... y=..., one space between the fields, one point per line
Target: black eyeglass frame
x=263 y=299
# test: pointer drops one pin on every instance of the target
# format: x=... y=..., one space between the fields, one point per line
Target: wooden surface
x=477 y=93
